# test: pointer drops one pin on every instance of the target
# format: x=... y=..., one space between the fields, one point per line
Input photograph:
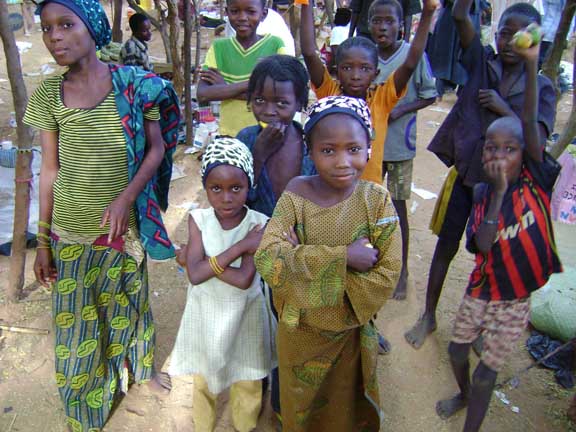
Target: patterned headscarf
x=227 y=151
x=92 y=15
x=354 y=107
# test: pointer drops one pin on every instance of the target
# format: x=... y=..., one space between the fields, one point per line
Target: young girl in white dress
x=225 y=336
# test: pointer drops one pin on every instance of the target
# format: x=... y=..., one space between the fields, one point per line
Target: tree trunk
x=552 y=62
x=174 y=33
x=188 y=74
x=295 y=26
x=569 y=131
x=160 y=25
x=329 y=10
x=117 y=21
x=23 y=173
x=198 y=42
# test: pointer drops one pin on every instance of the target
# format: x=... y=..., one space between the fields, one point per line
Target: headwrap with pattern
x=354 y=107
x=92 y=15
x=225 y=150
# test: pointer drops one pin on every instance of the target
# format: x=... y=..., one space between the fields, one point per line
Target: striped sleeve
x=39 y=112
x=210 y=60
x=152 y=114
x=281 y=48
x=329 y=86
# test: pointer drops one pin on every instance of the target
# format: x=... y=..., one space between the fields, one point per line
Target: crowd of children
x=302 y=245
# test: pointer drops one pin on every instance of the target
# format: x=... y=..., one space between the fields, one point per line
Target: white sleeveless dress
x=226 y=334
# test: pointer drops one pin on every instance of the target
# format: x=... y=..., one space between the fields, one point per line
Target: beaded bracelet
x=43 y=235
x=215 y=266
x=43 y=224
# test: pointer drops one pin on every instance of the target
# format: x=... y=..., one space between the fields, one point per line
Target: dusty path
x=411 y=381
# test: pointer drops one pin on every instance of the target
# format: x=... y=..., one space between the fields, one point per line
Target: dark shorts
x=457 y=212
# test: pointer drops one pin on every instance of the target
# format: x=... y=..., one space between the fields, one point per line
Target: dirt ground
x=410 y=381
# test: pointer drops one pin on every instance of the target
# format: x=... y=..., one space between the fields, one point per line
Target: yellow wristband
x=43 y=224
x=215 y=266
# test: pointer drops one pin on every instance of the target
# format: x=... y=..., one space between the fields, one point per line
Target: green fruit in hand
x=522 y=39
x=528 y=37
x=536 y=33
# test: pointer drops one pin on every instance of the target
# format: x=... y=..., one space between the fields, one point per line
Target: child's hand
x=118 y=215
x=253 y=239
x=44 y=268
x=530 y=54
x=269 y=141
x=490 y=99
x=526 y=42
x=361 y=255
x=496 y=174
x=395 y=114
x=212 y=76
x=430 y=6
x=181 y=255
x=291 y=237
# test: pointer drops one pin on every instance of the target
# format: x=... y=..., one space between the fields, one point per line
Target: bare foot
x=161 y=384
x=448 y=407
x=401 y=286
x=384 y=346
x=417 y=334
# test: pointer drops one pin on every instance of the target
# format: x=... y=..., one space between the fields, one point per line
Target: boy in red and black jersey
x=510 y=231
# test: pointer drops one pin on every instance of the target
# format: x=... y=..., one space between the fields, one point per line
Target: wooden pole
x=569 y=131
x=197 y=30
x=26 y=330
x=295 y=26
x=552 y=62
x=188 y=73
x=174 y=34
x=23 y=172
x=117 y=21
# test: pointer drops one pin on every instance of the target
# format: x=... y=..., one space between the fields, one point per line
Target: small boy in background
x=510 y=231
x=385 y=19
x=135 y=50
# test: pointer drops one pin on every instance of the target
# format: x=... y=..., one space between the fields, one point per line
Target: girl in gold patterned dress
x=331 y=254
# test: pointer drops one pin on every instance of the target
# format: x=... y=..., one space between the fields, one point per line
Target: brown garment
x=327 y=341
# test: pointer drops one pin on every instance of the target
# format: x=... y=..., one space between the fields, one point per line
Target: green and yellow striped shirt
x=236 y=64
x=93 y=163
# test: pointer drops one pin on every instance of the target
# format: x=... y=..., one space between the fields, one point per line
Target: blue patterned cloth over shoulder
x=136 y=91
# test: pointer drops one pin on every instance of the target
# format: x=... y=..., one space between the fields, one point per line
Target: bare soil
x=410 y=381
